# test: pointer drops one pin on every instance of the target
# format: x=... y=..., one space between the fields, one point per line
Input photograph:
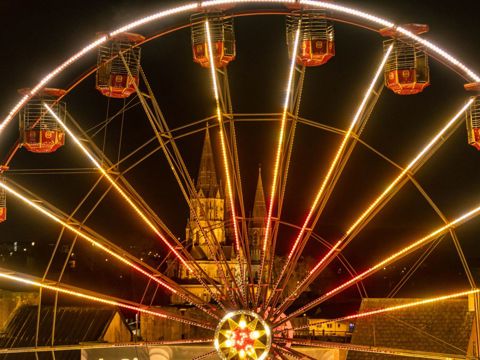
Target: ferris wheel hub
x=243 y=334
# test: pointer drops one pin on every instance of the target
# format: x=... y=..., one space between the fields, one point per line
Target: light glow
x=153 y=17
x=405 y=171
x=281 y=138
x=439 y=51
x=395 y=256
x=206 y=4
x=242 y=334
x=224 y=147
x=387 y=190
x=97 y=299
x=334 y=164
x=413 y=304
x=118 y=188
x=84 y=236
x=396 y=307
x=47 y=79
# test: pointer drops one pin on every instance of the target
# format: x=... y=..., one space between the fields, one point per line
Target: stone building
x=208 y=228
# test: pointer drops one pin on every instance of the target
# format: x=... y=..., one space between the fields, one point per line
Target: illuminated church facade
x=209 y=228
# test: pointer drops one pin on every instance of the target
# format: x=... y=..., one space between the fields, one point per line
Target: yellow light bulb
x=250 y=350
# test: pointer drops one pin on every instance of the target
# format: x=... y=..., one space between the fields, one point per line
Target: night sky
x=39 y=35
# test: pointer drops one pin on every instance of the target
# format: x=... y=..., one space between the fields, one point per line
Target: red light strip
x=281 y=138
x=224 y=153
x=393 y=308
x=341 y=243
x=395 y=256
x=273 y=191
x=333 y=165
x=340 y=150
x=19 y=350
x=409 y=167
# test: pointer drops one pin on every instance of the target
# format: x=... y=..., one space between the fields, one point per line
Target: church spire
x=259 y=207
x=207 y=176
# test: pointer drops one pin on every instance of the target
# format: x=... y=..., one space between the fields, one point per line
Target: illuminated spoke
x=226 y=165
x=413 y=166
x=277 y=160
x=187 y=187
x=103 y=299
x=395 y=308
x=106 y=247
x=129 y=200
x=117 y=187
x=284 y=171
x=326 y=188
x=226 y=102
x=386 y=195
x=392 y=258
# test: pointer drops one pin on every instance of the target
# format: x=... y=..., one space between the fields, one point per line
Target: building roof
x=441 y=327
x=73 y=325
x=207 y=182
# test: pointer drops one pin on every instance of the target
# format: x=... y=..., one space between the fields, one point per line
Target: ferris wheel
x=241 y=273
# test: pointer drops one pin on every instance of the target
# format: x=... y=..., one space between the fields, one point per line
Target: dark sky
x=37 y=36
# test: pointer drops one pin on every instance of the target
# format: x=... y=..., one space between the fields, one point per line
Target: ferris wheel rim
x=232 y=1
x=190 y=7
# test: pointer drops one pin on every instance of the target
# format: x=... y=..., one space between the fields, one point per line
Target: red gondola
x=114 y=79
x=473 y=123
x=316 y=43
x=222 y=37
x=406 y=70
x=39 y=131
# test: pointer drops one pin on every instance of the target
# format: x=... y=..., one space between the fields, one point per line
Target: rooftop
x=442 y=327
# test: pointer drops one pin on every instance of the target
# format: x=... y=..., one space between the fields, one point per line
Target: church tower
x=257 y=223
x=209 y=207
